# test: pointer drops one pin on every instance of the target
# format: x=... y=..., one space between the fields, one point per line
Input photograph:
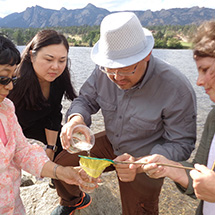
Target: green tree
x=174 y=43
x=158 y=35
x=160 y=43
x=90 y=34
x=18 y=37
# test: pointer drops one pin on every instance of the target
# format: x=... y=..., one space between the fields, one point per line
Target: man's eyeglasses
x=115 y=71
x=6 y=80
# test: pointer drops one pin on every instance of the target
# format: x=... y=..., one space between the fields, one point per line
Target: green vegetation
x=173 y=37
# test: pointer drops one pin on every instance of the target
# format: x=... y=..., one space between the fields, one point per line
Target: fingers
x=124 y=171
x=126 y=174
x=65 y=135
x=202 y=168
x=89 y=183
x=154 y=171
x=66 y=130
x=70 y=175
x=124 y=157
x=199 y=172
x=195 y=174
x=152 y=159
x=151 y=166
x=203 y=182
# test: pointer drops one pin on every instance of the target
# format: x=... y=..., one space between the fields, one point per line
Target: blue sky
x=10 y=6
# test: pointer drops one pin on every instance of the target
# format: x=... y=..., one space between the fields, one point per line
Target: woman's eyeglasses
x=6 y=80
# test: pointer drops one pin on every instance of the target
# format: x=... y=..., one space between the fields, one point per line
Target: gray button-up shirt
x=156 y=116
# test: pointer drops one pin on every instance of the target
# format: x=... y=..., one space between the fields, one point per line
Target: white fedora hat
x=123 y=41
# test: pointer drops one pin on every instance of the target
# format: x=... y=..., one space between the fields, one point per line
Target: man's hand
x=157 y=171
x=66 y=130
x=152 y=169
x=126 y=172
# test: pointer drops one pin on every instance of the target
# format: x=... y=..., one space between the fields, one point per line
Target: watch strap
x=54 y=147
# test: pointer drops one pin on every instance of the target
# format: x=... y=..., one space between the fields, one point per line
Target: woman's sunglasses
x=6 y=80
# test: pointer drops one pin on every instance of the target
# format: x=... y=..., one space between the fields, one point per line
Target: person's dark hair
x=204 y=40
x=9 y=54
x=27 y=91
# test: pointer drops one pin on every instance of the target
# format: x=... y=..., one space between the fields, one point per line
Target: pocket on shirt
x=108 y=109
x=140 y=127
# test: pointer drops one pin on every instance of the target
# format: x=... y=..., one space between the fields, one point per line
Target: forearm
x=76 y=118
x=80 y=107
x=178 y=175
x=51 y=136
x=68 y=174
x=86 y=103
x=49 y=171
x=55 y=171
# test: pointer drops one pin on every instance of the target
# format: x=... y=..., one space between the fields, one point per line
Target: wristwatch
x=54 y=147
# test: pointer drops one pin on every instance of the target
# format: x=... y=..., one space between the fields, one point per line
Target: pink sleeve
x=30 y=158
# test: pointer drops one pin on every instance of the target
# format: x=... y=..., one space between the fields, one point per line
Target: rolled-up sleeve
x=86 y=103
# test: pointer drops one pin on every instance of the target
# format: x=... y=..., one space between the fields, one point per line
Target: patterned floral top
x=17 y=154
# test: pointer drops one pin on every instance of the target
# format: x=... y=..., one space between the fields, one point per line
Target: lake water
x=82 y=66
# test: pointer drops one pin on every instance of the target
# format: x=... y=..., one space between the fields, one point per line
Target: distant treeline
x=168 y=36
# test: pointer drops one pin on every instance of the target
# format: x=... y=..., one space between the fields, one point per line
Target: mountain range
x=39 y=17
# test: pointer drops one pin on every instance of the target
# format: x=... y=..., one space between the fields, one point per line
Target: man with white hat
x=149 y=107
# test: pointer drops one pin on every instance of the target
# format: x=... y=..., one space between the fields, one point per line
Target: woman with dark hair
x=43 y=79
x=16 y=153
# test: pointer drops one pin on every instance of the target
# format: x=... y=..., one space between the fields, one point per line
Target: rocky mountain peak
x=37 y=17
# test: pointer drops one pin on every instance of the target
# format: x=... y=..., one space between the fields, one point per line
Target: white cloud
x=11 y=6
